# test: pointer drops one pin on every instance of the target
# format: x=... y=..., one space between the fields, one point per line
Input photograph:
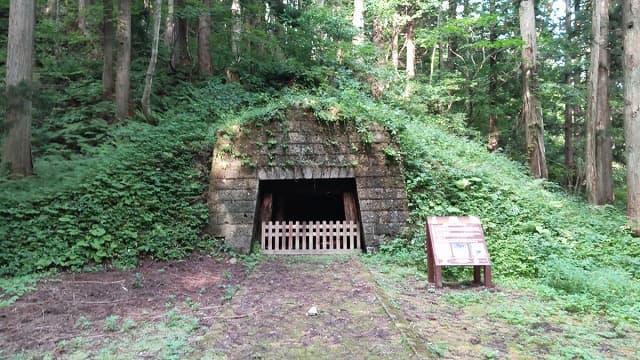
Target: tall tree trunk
x=451 y=49
x=170 y=25
x=599 y=155
x=395 y=40
x=631 y=46
x=493 y=136
x=436 y=49
x=358 y=21
x=377 y=35
x=411 y=51
x=83 y=26
x=51 y=8
x=411 y=58
x=181 y=57
x=468 y=71
x=16 y=148
x=432 y=67
x=123 y=38
x=257 y=21
x=531 y=110
x=236 y=29
x=204 y=34
x=108 y=35
x=569 y=106
x=148 y=81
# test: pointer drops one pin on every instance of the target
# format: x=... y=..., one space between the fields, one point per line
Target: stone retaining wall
x=300 y=147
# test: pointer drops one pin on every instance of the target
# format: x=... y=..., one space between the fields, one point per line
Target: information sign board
x=453 y=240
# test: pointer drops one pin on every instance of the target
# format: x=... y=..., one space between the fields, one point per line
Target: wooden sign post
x=455 y=241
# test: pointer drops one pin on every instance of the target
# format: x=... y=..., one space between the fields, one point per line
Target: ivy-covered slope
x=534 y=229
x=140 y=193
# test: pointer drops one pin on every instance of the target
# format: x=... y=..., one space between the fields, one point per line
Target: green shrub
x=111 y=323
x=598 y=288
x=140 y=194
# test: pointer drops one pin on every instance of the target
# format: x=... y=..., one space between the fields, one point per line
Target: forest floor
x=206 y=308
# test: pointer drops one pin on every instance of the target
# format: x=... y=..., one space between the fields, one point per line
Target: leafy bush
x=116 y=193
x=532 y=227
x=138 y=200
x=141 y=194
x=596 y=289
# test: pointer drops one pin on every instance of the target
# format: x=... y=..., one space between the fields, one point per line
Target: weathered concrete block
x=237 y=236
x=233 y=184
x=236 y=194
x=234 y=206
x=368 y=217
x=296 y=137
x=387 y=229
x=377 y=205
x=226 y=218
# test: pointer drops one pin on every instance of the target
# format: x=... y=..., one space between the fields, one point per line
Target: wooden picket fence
x=312 y=237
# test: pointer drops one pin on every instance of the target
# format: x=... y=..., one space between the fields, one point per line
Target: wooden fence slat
x=266 y=231
x=313 y=237
x=329 y=241
x=357 y=236
x=300 y=231
x=305 y=236
x=276 y=237
x=290 y=235
x=323 y=227
x=352 y=238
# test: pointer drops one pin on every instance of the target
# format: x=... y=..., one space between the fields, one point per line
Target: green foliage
x=176 y=319
x=13 y=288
x=593 y=288
x=138 y=281
x=229 y=292
x=129 y=324
x=392 y=154
x=438 y=350
x=111 y=323
x=110 y=194
x=404 y=252
x=140 y=194
x=77 y=124
x=83 y=323
x=465 y=298
x=526 y=221
x=112 y=214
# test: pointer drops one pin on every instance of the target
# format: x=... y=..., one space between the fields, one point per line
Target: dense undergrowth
x=113 y=194
x=138 y=193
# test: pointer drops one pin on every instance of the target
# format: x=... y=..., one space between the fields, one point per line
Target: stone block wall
x=300 y=147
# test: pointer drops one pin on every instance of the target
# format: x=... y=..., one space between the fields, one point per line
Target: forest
x=524 y=113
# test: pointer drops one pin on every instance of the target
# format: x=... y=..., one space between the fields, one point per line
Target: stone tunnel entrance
x=308 y=216
x=296 y=184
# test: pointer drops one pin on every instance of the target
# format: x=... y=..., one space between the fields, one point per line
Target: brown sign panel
x=457 y=241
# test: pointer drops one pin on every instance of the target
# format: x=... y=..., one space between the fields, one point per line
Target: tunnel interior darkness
x=306 y=200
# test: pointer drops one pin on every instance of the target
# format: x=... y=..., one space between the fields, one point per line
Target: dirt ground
x=76 y=304
x=206 y=308
x=239 y=314
x=268 y=317
x=468 y=321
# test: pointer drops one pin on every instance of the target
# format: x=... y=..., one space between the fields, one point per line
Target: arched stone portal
x=295 y=168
